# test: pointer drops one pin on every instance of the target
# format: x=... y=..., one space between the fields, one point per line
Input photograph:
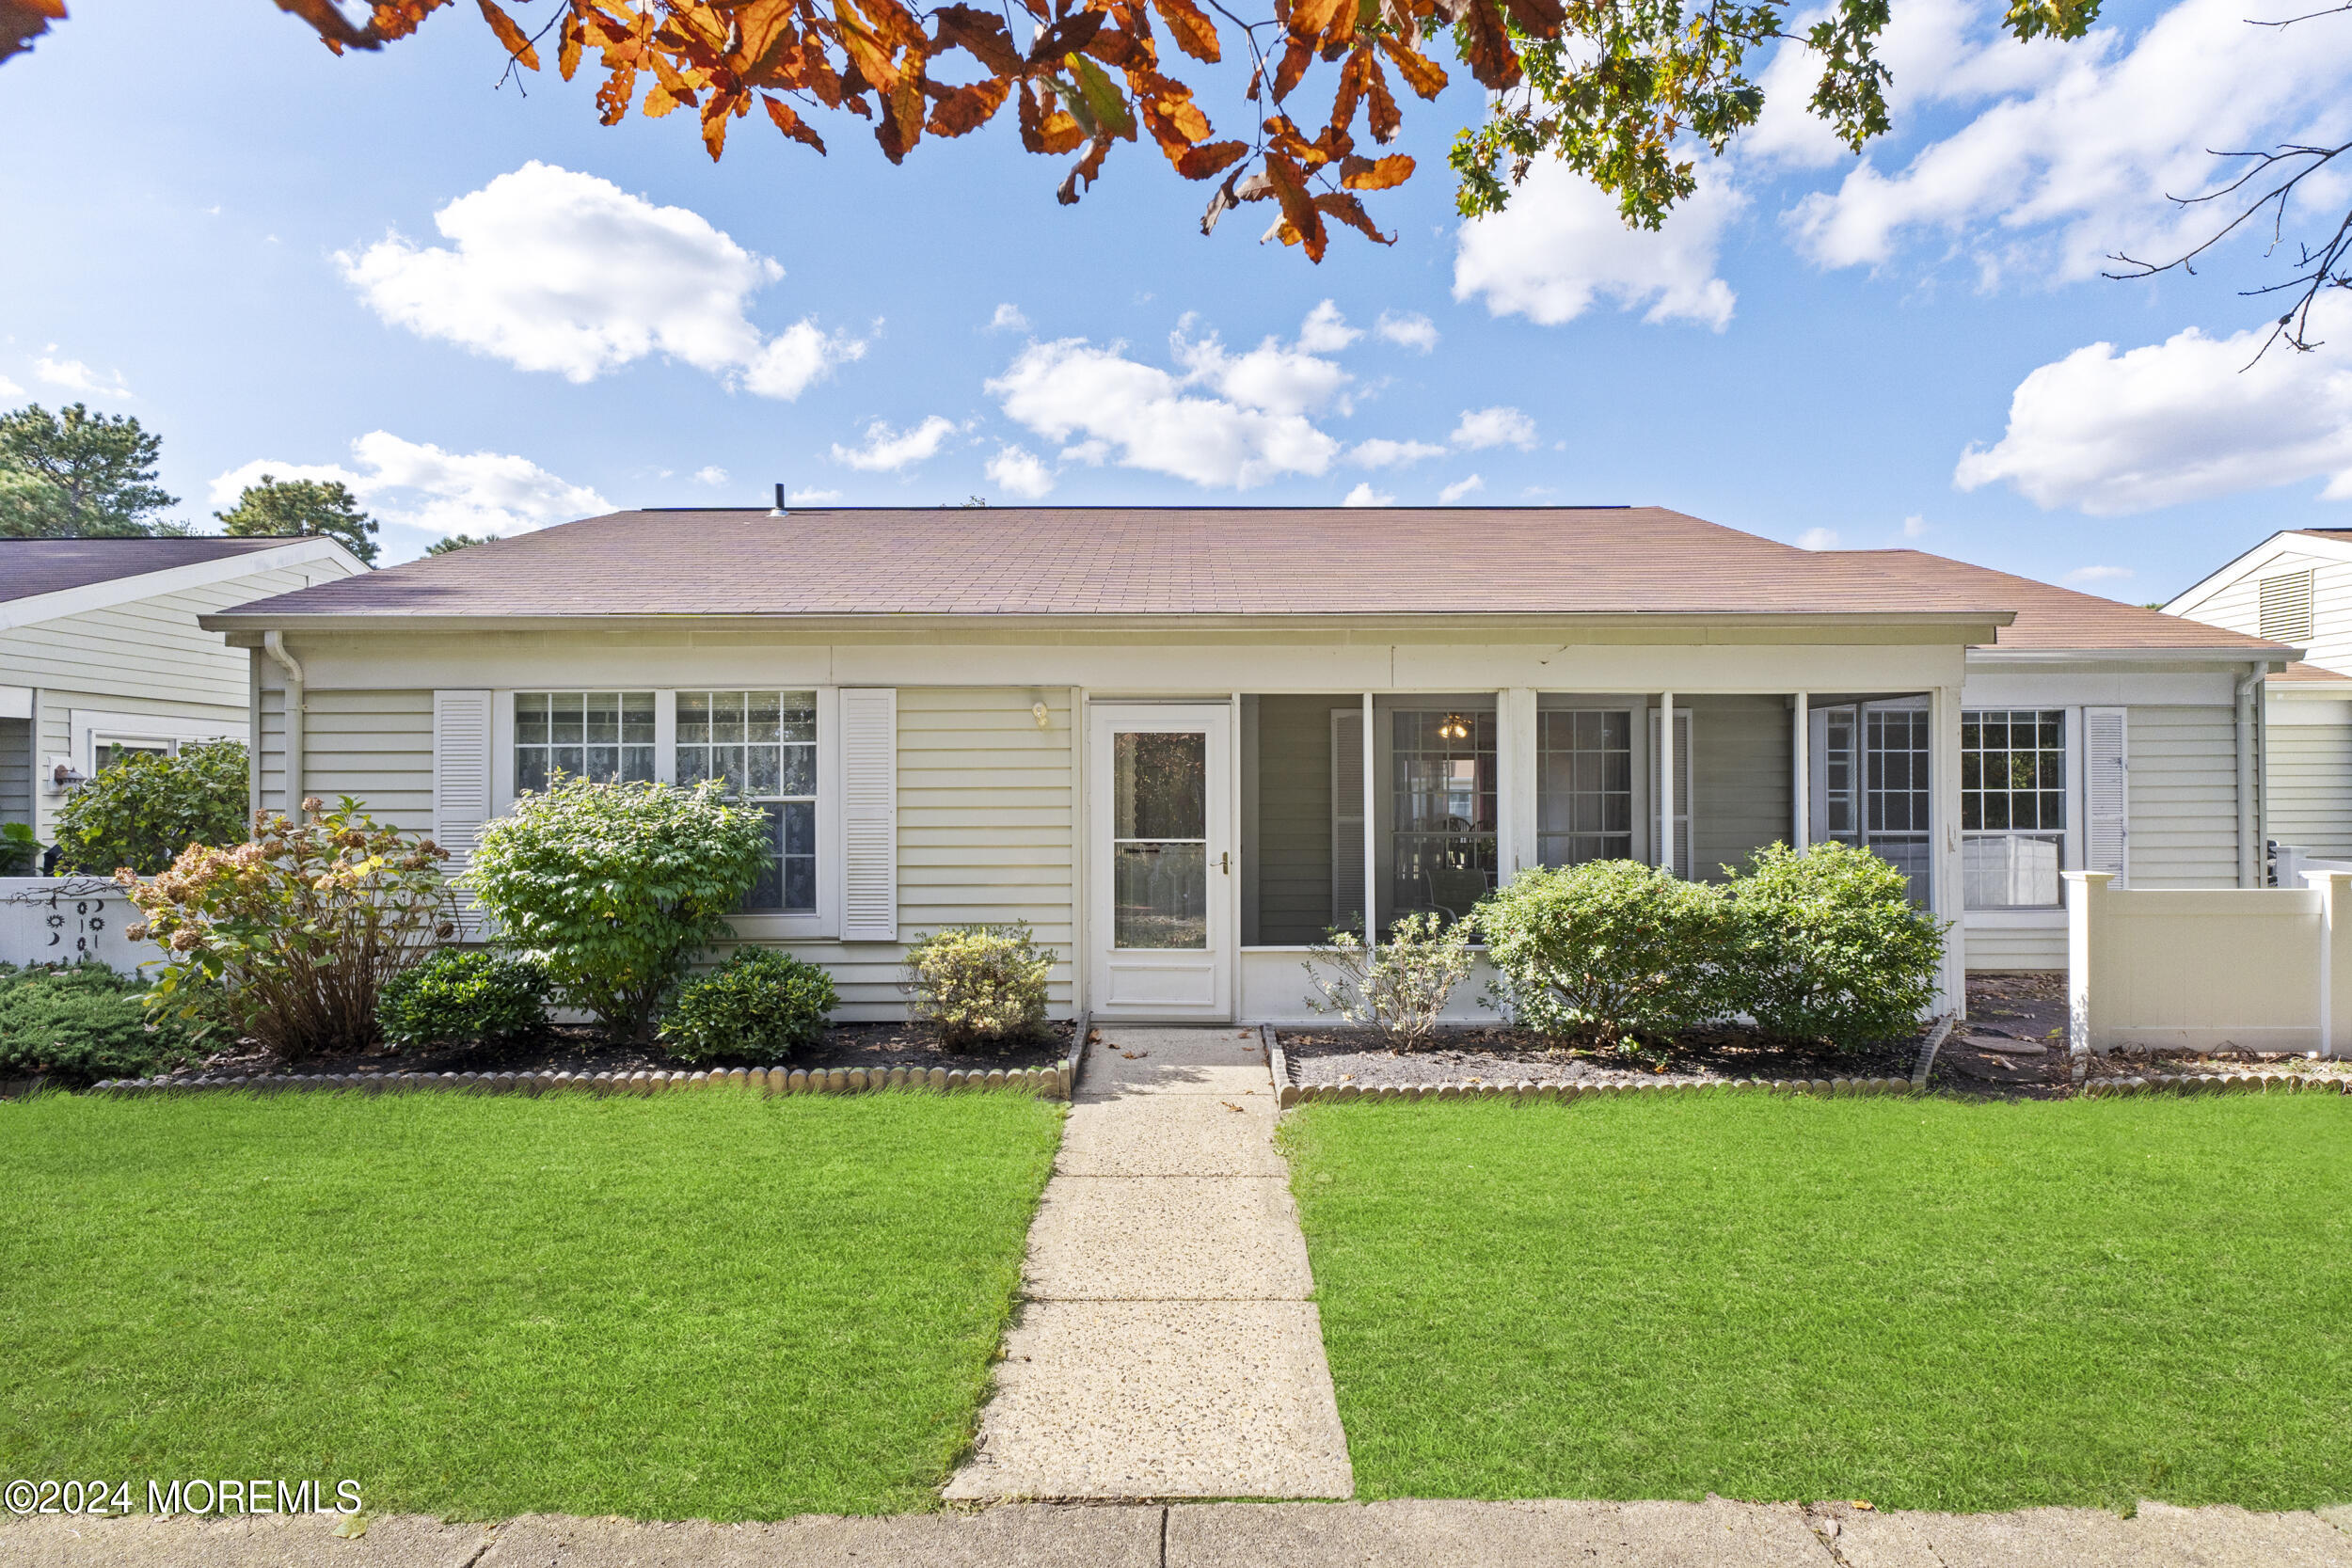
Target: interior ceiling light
x=1454 y=727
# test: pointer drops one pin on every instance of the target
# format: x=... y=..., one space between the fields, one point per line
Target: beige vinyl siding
x=2184 y=796
x=269 y=744
x=150 y=648
x=2015 y=947
x=2311 y=785
x=2237 y=606
x=376 y=746
x=1740 y=776
x=16 y=771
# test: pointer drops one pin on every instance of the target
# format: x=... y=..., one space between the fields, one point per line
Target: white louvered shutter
x=2107 y=793
x=870 y=814
x=461 y=783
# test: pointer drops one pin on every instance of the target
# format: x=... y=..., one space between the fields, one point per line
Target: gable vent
x=2286 y=607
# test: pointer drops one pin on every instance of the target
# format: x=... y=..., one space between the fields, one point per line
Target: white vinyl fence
x=68 y=919
x=2252 y=968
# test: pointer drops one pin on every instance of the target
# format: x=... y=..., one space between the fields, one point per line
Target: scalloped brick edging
x=2218 y=1083
x=1051 y=1082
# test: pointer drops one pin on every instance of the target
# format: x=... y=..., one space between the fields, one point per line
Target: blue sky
x=488 y=311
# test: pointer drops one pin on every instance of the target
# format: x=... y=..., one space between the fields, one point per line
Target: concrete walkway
x=1167 y=1348
x=1712 y=1534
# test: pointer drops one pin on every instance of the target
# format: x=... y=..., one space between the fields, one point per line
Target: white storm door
x=1161 y=941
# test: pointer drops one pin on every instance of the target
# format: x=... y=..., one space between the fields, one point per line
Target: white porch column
x=1372 y=837
x=1666 y=780
x=1801 y=786
x=2085 y=892
x=1517 y=803
x=1945 y=894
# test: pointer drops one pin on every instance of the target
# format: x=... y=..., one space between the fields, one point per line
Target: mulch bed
x=580 y=1049
x=1991 y=1055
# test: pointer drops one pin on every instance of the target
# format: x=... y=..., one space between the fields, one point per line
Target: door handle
x=1225 y=862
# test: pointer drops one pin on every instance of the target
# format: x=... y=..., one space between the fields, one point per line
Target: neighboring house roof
x=2325 y=543
x=1333 y=563
x=2299 y=673
x=30 y=566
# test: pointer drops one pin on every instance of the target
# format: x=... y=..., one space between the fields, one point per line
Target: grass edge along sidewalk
x=697 y=1305
x=1932 y=1305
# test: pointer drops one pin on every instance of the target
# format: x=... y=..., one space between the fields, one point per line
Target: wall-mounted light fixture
x=1043 y=715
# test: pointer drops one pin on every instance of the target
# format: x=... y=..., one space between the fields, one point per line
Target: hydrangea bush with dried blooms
x=292 y=936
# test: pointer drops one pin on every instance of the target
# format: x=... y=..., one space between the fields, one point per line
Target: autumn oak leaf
x=517 y=42
x=1196 y=35
x=1375 y=174
x=789 y=121
x=1422 y=73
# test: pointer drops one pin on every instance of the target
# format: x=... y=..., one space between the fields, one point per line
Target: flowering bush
x=978 y=982
x=761 y=1004
x=1402 y=989
x=1827 y=946
x=617 y=887
x=294 y=934
x=458 y=997
x=145 y=809
x=1614 y=948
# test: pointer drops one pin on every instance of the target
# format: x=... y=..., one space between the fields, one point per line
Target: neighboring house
x=101 y=653
x=1182 y=743
x=2296 y=587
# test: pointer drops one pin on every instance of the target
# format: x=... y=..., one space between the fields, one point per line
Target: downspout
x=274 y=643
x=2250 y=848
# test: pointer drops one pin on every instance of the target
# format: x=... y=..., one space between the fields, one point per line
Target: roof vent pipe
x=778 y=509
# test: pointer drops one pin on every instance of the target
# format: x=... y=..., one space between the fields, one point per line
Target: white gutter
x=2249 y=846
x=274 y=643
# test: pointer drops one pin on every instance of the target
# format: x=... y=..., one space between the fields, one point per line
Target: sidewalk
x=1712 y=1534
x=1167 y=1347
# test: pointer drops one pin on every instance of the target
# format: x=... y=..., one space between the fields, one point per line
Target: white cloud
x=550 y=270
x=2099 y=574
x=1497 y=426
x=1364 y=495
x=2181 y=420
x=1009 y=319
x=1461 y=487
x=421 y=486
x=713 y=475
x=74 y=376
x=887 y=450
x=1407 y=329
x=1560 y=244
x=1021 y=472
x=1914 y=526
x=1324 y=330
x=1818 y=538
x=1226 y=419
x=1381 y=453
x=10 y=388
x=2073 y=158
x=811 y=497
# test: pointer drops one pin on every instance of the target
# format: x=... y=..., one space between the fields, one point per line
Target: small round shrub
x=1612 y=949
x=458 y=997
x=1827 y=946
x=81 y=1022
x=760 y=1003
x=978 y=984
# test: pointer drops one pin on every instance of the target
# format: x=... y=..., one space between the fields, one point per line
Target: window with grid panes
x=604 y=737
x=2013 y=807
x=764 y=745
x=1442 y=839
x=1584 y=786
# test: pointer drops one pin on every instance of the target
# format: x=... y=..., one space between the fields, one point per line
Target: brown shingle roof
x=1208 y=560
x=30 y=566
x=2299 y=673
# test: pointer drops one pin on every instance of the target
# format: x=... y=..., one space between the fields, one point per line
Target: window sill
x=779 y=927
x=2015 y=919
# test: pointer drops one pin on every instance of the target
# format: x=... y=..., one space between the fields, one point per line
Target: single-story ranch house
x=1182 y=742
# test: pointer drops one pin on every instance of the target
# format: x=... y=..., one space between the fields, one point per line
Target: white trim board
x=36 y=608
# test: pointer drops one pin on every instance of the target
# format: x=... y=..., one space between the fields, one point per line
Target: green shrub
x=1612 y=949
x=81 y=1022
x=1403 y=987
x=292 y=937
x=20 y=850
x=1827 y=946
x=460 y=997
x=616 y=888
x=760 y=1003
x=978 y=982
x=142 y=810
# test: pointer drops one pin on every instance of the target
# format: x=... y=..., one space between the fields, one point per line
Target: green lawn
x=1921 y=1303
x=698 y=1306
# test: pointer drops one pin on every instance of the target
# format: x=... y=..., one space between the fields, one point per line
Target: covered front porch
x=1405 y=801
